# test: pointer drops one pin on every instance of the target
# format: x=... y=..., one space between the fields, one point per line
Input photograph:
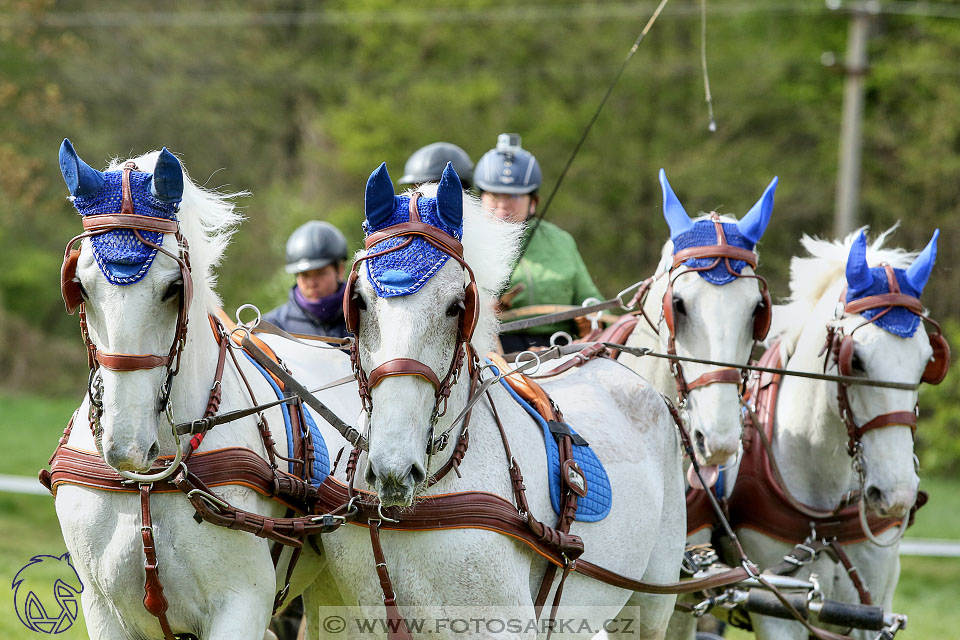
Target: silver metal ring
x=517 y=363
x=256 y=321
x=380 y=513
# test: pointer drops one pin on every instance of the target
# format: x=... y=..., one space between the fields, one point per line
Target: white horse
x=810 y=440
x=620 y=415
x=714 y=315
x=219 y=583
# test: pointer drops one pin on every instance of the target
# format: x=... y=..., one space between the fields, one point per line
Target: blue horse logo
x=45 y=594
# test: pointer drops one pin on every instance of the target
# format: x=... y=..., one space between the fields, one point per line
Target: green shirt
x=552 y=272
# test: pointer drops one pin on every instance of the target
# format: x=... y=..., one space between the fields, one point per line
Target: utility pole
x=851 y=133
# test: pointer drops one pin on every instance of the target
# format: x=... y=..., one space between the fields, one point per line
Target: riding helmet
x=508 y=168
x=314 y=245
x=426 y=164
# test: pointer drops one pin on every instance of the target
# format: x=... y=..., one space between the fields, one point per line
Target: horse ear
x=167 y=181
x=450 y=198
x=919 y=272
x=673 y=211
x=858 y=271
x=755 y=222
x=378 y=200
x=81 y=178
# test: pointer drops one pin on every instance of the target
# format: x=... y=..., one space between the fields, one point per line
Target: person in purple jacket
x=316 y=253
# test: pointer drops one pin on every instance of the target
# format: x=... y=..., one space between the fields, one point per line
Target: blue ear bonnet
x=122 y=258
x=400 y=273
x=703 y=233
x=899 y=321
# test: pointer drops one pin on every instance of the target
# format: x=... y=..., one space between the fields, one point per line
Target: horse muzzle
x=395 y=486
x=130 y=456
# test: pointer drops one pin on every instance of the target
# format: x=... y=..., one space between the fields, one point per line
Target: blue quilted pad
x=122 y=258
x=400 y=273
x=704 y=234
x=596 y=505
x=899 y=321
x=321 y=459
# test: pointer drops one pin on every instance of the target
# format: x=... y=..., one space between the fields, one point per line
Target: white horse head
x=410 y=303
x=710 y=308
x=132 y=293
x=883 y=345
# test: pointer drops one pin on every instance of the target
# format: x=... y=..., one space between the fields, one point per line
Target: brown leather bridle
x=469 y=314
x=841 y=348
x=73 y=296
x=761 y=322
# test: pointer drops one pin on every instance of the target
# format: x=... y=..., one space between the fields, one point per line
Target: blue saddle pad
x=593 y=507
x=321 y=458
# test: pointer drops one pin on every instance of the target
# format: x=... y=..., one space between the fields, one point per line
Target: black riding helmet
x=426 y=164
x=314 y=245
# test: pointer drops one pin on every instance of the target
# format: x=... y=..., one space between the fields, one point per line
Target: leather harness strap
x=403 y=367
x=153 y=598
x=727 y=375
x=396 y=625
x=110 y=221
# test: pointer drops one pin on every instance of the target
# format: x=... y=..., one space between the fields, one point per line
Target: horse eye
x=455 y=309
x=174 y=290
x=678 y=307
x=360 y=302
x=83 y=292
x=857 y=364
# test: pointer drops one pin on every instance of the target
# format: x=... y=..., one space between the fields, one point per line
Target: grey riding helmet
x=508 y=168
x=314 y=245
x=426 y=164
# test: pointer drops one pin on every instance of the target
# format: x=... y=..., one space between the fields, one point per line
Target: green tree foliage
x=297 y=102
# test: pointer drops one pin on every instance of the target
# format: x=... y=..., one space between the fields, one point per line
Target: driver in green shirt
x=551 y=270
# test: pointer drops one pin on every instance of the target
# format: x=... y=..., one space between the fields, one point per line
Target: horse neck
x=810 y=438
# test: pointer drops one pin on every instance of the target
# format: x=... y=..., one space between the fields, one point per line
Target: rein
x=644 y=351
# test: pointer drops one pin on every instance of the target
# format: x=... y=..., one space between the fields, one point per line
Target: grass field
x=29 y=428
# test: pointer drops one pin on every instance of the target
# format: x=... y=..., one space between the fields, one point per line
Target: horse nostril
x=701 y=443
x=417 y=473
x=370 y=476
x=154 y=451
x=874 y=494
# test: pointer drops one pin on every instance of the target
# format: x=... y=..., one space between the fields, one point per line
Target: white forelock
x=813 y=275
x=207 y=220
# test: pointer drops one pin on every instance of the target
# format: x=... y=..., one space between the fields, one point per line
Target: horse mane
x=208 y=220
x=813 y=275
x=490 y=247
